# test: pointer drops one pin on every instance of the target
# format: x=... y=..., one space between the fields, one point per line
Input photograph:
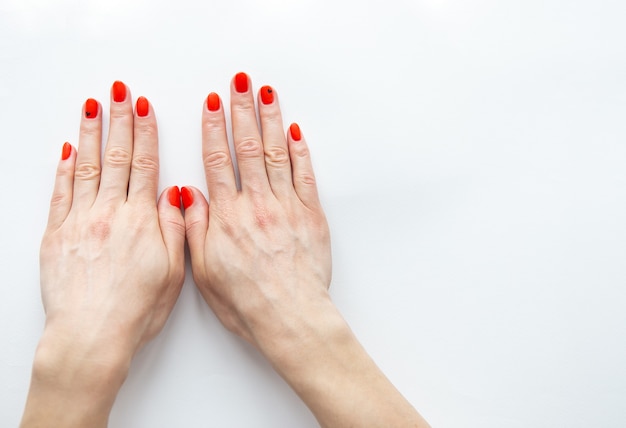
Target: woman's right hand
x=260 y=255
x=261 y=259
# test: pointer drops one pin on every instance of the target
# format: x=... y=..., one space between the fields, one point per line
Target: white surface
x=472 y=161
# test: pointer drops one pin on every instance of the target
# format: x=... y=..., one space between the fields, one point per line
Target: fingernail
x=294 y=130
x=213 y=102
x=119 y=91
x=91 y=108
x=241 y=82
x=267 y=95
x=143 y=107
x=67 y=151
x=174 y=196
x=187 y=197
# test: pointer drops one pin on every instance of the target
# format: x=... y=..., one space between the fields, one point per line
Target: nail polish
x=91 y=108
x=294 y=130
x=187 y=197
x=267 y=95
x=241 y=82
x=143 y=107
x=67 y=151
x=213 y=102
x=174 y=196
x=119 y=91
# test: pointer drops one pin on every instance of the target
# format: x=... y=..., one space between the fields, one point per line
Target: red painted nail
x=187 y=196
x=294 y=130
x=143 y=107
x=119 y=91
x=174 y=196
x=67 y=151
x=91 y=108
x=241 y=82
x=267 y=95
x=213 y=102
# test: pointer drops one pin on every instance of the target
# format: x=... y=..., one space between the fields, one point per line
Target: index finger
x=218 y=165
x=144 y=171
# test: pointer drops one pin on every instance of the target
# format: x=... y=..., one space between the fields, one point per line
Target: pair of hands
x=112 y=264
x=112 y=260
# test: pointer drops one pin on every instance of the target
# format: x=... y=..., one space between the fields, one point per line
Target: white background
x=471 y=158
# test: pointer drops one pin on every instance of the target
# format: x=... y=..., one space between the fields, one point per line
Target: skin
x=112 y=265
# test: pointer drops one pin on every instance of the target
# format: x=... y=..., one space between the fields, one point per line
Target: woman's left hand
x=112 y=264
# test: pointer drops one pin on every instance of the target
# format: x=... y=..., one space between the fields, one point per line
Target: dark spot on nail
x=269 y=90
x=87 y=113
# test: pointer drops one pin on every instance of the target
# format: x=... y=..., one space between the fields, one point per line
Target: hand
x=112 y=264
x=261 y=259
x=260 y=255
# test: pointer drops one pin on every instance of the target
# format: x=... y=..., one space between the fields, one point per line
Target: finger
x=303 y=177
x=248 y=143
x=218 y=165
x=196 y=224
x=87 y=172
x=275 y=148
x=144 y=170
x=119 y=148
x=172 y=226
x=61 y=201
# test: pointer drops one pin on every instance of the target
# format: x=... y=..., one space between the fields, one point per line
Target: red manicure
x=119 y=91
x=174 y=196
x=187 y=197
x=294 y=130
x=213 y=102
x=67 y=151
x=267 y=95
x=91 y=108
x=241 y=82
x=143 y=107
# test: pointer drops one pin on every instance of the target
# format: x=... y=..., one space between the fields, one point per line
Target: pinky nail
x=213 y=102
x=267 y=95
x=143 y=107
x=294 y=130
x=67 y=151
x=241 y=82
x=119 y=91
x=187 y=197
x=174 y=196
x=91 y=108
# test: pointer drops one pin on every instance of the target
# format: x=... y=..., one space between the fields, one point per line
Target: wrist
x=304 y=341
x=74 y=382
x=316 y=352
x=77 y=361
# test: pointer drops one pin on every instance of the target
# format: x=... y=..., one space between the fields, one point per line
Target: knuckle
x=216 y=160
x=145 y=163
x=87 y=171
x=249 y=148
x=121 y=114
x=276 y=156
x=146 y=128
x=117 y=157
x=100 y=230
x=307 y=179
x=58 y=199
x=263 y=217
x=213 y=125
x=90 y=128
x=177 y=226
x=300 y=150
x=244 y=106
x=64 y=172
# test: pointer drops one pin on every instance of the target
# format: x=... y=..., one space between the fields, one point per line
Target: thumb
x=172 y=225
x=196 y=223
